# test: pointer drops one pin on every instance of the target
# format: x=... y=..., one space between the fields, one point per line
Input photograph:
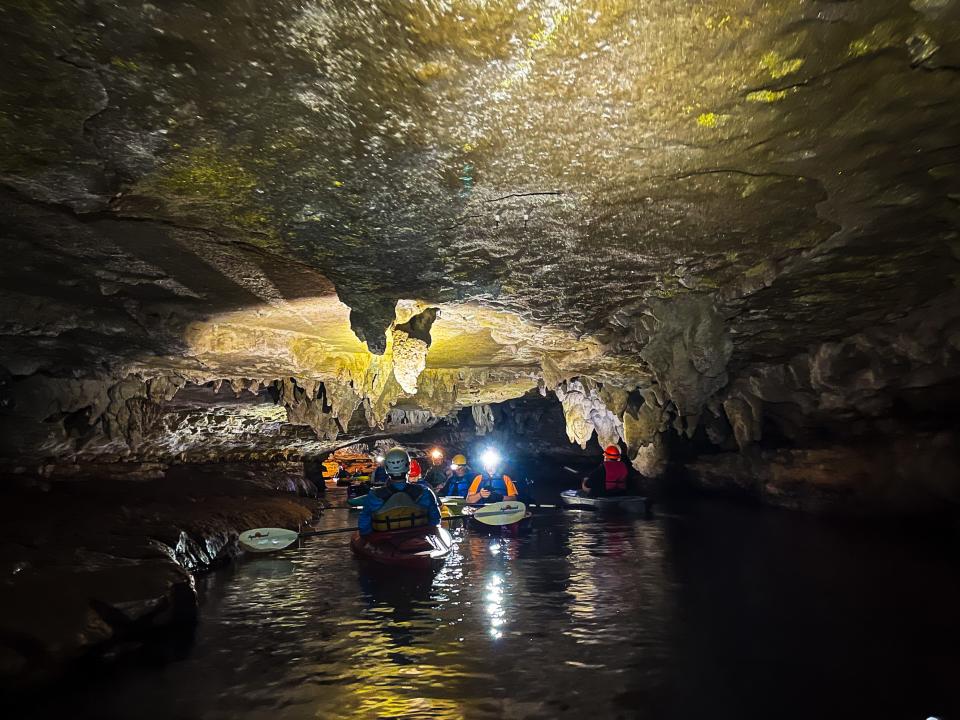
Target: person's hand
x=484 y=493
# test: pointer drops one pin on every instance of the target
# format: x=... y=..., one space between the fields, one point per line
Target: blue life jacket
x=457 y=486
x=379 y=497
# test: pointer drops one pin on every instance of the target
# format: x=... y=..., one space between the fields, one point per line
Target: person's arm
x=370 y=505
x=429 y=501
x=473 y=492
x=594 y=480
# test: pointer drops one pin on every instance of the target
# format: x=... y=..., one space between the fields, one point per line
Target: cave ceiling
x=489 y=196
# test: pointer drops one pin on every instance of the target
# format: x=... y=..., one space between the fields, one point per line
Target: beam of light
x=490 y=458
x=436 y=453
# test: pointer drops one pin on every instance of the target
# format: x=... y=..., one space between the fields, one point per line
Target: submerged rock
x=98 y=556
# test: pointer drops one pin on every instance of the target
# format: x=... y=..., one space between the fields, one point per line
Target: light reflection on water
x=662 y=617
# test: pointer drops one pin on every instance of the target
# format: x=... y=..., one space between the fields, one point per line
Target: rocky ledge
x=101 y=558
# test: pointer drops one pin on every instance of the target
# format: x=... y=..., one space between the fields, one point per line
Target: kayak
x=357 y=491
x=501 y=518
x=422 y=548
x=622 y=503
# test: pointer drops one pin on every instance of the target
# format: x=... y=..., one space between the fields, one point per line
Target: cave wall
x=735 y=227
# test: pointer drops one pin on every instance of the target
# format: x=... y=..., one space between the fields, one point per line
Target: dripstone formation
x=736 y=224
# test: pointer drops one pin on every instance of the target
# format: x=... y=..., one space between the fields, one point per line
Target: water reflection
x=669 y=618
x=495 y=611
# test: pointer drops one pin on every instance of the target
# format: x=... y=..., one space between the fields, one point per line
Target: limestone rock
x=192 y=207
x=482 y=418
x=688 y=352
x=585 y=412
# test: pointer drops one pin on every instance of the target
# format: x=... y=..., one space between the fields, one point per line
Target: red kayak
x=422 y=548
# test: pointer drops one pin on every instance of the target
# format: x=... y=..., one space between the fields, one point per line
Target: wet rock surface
x=261 y=231
x=912 y=475
x=101 y=559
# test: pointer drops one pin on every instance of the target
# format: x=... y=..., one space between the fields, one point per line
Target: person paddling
x=398 y=505
x=608 y=479
x=379 y=476
x=491 y=485
x=415 y=474
x=436 y=476
x=460 y=478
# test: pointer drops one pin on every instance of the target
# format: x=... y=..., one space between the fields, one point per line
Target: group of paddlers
x=400 y=485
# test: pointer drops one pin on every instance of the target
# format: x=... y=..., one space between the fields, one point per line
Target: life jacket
x=401 y=509
x=615 y=476
x=458 y=486
x=501 y=484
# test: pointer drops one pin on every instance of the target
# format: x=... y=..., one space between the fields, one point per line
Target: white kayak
x=622 y=503
x=267 y=539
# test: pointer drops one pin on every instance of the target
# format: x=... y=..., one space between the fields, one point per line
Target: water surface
x=711 y=610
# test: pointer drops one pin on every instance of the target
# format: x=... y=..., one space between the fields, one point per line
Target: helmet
x=414 y=469
x=611 y=453
x=459 y=460
x=396 y=462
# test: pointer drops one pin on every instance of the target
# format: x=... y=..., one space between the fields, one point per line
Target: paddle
x=270 y=539
x=501 y=513
x=529 y=505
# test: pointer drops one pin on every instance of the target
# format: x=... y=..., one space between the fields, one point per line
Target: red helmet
x=415 y=469
x=611 y=453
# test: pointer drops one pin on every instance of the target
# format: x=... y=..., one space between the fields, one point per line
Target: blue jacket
x=457 y=486
x=422 y=496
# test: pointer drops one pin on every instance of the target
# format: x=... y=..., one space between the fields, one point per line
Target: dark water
x=711 y=610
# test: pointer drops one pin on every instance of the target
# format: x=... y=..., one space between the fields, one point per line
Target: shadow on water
x=708 y=610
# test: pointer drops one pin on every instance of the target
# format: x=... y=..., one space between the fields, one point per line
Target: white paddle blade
x=501 y=513
x=267 y=539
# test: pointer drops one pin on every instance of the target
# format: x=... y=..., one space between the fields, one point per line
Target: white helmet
x=397 y=462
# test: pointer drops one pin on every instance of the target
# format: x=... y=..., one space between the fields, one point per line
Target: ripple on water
x=584 y=617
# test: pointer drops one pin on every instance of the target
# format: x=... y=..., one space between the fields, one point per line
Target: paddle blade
x=267 y=539
x=501 y=513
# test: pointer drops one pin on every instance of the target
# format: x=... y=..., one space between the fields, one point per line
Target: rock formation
x=260 y=231
x=751 y=235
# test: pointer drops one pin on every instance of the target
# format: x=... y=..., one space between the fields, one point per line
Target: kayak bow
x=422 y=548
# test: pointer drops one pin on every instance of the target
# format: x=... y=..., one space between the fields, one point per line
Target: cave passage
x=690 y=270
